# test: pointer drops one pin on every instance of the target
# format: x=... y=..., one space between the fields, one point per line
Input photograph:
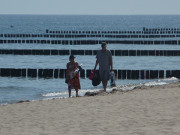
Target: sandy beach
x=142 y=111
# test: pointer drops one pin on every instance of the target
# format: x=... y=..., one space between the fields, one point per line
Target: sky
x=90 y=7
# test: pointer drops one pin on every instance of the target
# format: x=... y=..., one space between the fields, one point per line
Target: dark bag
x=96 y=80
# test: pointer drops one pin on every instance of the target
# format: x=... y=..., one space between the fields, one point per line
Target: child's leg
x=76 y=92
x=69 y=90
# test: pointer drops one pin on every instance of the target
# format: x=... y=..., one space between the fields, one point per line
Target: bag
x=91 y=75
x=96 y=80
x=112 y=79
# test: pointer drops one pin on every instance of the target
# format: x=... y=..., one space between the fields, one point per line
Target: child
x=72 y=76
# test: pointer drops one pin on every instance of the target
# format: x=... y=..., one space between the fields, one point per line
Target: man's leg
x=106 y=78
x=104 y=84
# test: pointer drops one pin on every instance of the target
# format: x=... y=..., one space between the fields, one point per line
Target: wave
x=162 y=81
x=126 y=87
x=95 y=91
x=149 y=84
x=12 y=88
x=64 y=94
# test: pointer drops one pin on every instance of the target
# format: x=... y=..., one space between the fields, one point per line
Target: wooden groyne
x=60 y=73
x=145 y=30
x=92 y=42
x=102 y=35
x=153 y=36
x=145 y=33
x=90 y=52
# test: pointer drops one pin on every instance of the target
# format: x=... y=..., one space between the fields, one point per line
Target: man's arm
x=111 y=61
x=111 y=64
x=97 y=62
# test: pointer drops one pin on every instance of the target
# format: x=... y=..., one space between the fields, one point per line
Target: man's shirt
x=104 y=58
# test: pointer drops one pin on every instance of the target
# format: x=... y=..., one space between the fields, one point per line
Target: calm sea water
x=16 y=89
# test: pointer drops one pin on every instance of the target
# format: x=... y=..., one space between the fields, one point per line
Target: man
x=104 y=59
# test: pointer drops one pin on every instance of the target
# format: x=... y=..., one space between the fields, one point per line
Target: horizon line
x=95 y=14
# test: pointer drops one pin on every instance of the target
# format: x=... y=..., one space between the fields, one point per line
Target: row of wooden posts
x=91 y=52
x=168 y=35
x=92 y=42
x=161 y=29
x=152 y=32
x=60 y=73
x=144 y=31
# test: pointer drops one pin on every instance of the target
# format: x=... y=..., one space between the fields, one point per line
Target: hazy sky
x=90 y=7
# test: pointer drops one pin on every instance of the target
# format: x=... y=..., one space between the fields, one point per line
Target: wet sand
x=142 y=111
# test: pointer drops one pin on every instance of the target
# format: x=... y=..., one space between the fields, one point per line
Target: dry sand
x=143 y=111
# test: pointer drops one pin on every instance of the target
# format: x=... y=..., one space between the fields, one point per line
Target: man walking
x=104 y=59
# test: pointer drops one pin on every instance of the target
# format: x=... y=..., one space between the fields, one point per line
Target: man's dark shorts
x=104 y=75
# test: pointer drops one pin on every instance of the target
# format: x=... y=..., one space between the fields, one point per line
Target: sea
x=15 y=89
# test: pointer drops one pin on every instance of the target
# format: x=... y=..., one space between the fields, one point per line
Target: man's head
x=103 y=45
